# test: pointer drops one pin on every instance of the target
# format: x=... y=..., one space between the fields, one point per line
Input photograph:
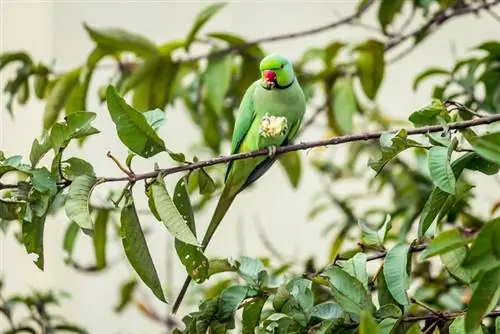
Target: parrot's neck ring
x=276 y=86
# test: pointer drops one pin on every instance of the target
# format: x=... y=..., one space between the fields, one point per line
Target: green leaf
x=251 y=270
x=440 y=169
x=126 y=292
x=387 y=11
x=170 y=216
x=58 y=96
x=356 y=267
x=414 y=329
x=388 y=311
x=486 y=293
x=74 y=167
x=216 y=80
x=136 y=248
x=370 y=66
x=370 y=237
x=191 y=257
x=483 y=253
x=132 y=127
x=251 y=316
x=388 y=325
x=368 y=325
x=395 y=272
x=291 y=164
x=452 y=261
x=391 y=144
x=77 y=125
x=69 y=240
x=432 y=71
x=141 y=74
x=229 y=301
x=200 y=20
x=348 y=293
x=458 y=327
x=39 y=149
x=32 y=231
x=435 y=203
x=430 y=115
x=487 y=146
x=42 y=181
x=327 y=311
x=114 y=39
x=8 y=210
x=444 y=242
x=100 y=237
x=343 y=104
x=205 y=182
x=77 y=202
x=234 y=40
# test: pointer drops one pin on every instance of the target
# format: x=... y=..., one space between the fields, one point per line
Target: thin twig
x=119 y=165
x=438 y=19
x=282 y=37
x=303 y=146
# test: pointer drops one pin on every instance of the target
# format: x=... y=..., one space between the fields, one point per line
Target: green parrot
x=269 y=116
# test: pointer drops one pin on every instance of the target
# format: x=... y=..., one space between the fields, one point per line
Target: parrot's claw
x=272 y=151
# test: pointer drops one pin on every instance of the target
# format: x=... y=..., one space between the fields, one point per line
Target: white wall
x=53 y=30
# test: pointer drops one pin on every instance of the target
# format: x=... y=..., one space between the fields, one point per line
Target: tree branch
x=283 y=37
x=440 y=18
x=302 y=146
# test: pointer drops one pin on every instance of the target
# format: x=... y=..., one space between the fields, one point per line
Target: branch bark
x=303 y=146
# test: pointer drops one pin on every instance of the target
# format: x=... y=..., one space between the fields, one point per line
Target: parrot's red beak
x=269 y=75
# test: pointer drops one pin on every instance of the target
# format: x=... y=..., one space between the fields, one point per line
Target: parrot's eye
x=282 y=65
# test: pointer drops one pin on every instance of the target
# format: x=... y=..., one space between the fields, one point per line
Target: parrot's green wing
x=244 y=119
x=268 y=162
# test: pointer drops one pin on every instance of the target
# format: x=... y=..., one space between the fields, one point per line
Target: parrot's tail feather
x=225 y=201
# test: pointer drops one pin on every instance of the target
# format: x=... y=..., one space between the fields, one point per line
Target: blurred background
x=53 y=31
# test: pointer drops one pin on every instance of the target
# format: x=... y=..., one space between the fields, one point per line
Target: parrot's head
x=276 y=71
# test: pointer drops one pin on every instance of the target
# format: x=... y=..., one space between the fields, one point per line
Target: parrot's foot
x=272 y=151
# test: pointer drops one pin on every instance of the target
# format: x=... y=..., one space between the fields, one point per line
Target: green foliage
x=424 y=260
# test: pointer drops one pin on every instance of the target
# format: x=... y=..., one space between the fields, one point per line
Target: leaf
x=291 y=164
x=250 y=270
x=444 y=242
x=388 y=325
x=370 y=237
x=170 y=216
x=229 y=301
x=487 y=146
x=348 y=293
x=8 y=210
x=327 y=311
x=432 y=71
x=391 y=144
x=482 y=254
x=32 y=231
x=343 y=104
x=251 y=316
x=191 y=257
x=100 y=237
x=205 y=182
x=440 y=169
x=69 y=240
x=452 y=261
x=77 y=125
x=136 y=248
x=458 y=327
x=42 y=181
x=203 y=16
x=356 y=267
x=132 y=127
x=38 y=150
x=486 y=292
x=216 y=79
x=126 y=291
x=388 y=311
x=58 y=95
x=370 y=66
x=395 y=272
x=387 y=12
x=435 y=203
x=368 y=325
x=234 y=40
x=430 y=115
x=77 y=202
x=74 y=167
x=114 y=39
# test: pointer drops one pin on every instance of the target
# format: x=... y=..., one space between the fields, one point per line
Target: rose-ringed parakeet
x=269 y=116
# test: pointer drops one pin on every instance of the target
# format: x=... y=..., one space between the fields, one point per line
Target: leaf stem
x=127 y=171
